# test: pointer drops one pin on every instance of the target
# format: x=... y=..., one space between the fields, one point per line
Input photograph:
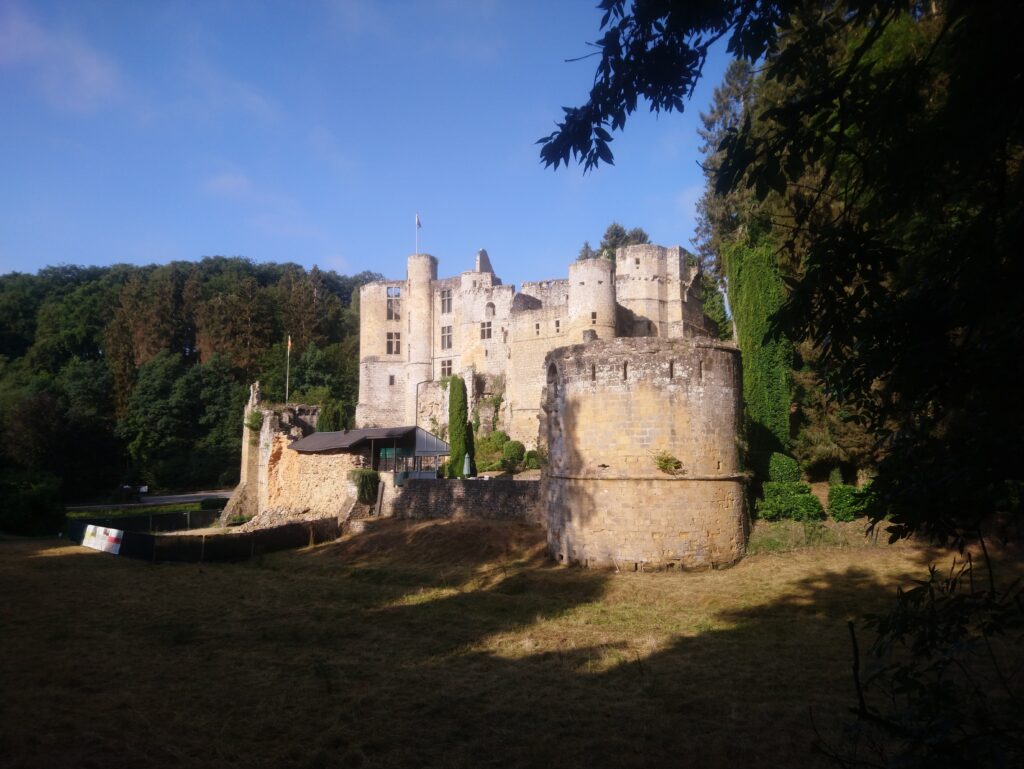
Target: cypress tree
x=457 y=426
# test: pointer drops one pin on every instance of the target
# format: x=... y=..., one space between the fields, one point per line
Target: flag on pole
x=418 y=225
x=289 y=343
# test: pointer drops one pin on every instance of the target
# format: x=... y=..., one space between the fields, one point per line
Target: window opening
x=394 y=303
x=558 y=326
x=446 y=337
x=446 y=367
x=485 y=330
x=536 y=327
x=625 y=370
x=593 y=372
x=671 y=369
x=446 y=300
x=394 y=343
x=391 y=379
x=489 y=310
x=593 y=319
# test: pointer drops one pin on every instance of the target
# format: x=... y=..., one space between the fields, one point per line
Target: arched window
x=553 y=380
x=489 y=310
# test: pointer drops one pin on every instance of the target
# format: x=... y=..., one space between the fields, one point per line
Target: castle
x=615 y=371
x=416 y=332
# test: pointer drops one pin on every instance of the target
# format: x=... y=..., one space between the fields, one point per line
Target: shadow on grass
x=418 y=646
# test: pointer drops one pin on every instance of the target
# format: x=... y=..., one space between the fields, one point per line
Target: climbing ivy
x=755 y=295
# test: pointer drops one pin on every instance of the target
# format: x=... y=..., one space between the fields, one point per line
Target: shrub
x=845 y=503
x=532 y=460
x=513 y=452
x=667 y=463
x=783 y=469
x=366 y=482
x=30 y=503
x=490 y=450
x=835 y=478
x=788 y=500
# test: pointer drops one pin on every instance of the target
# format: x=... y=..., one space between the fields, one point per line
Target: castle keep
x=417 y=331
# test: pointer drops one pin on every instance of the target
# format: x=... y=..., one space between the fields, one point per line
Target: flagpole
x=287 y=368
x=417 y=233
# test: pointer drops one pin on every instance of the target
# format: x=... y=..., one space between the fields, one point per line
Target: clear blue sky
x=313 y=132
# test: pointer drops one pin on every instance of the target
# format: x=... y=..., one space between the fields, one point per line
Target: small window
x=536 y=327
x=671 y=369
x=625 y=370
x=446 y=300
x=637 y=261
x=485 y=330
x=446 y=337
x=394 y=343
x=593 y=319
x=394 y=303
x=489 y=310
x=391 y=380
x=446 y=367
x=558 y=326
x=593 y=372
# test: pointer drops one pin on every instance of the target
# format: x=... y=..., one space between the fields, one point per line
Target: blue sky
x=313 y=132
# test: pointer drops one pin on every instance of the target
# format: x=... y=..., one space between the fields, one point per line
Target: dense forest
x=125 y=374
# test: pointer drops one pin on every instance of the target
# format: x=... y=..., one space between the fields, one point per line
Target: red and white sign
x=102 y=538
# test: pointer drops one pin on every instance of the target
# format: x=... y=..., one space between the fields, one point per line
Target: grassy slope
x=428 y=644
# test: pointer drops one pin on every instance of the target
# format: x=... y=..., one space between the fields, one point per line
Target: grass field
x=427 y=644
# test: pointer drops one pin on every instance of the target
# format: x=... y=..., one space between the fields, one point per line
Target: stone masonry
x=417 y=331
x=612 y=409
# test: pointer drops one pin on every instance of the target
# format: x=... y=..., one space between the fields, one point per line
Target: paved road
x=170 y=499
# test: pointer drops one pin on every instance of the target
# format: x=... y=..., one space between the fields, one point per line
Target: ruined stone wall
x=610 y=408
x=653 y=283
x=534 y=334
x=278 y=484
x=502 y=500
x=383 y=378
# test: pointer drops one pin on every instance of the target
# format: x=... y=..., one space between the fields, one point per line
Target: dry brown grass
x=426 y=644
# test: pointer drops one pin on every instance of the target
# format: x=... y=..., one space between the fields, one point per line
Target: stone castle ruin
x=415 y=332
x=615 y=371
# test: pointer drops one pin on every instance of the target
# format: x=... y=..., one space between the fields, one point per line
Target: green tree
x=586 y=252
x=616 y=236
x=459 y=431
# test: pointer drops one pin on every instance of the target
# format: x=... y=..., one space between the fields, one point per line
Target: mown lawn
x=427 y=644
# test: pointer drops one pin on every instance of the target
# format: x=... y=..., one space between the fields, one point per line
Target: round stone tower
x=643 y=463
x=417 y=307
x=591 y=298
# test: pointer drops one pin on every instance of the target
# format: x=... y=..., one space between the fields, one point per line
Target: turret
x=417 y=306
x=591 y=298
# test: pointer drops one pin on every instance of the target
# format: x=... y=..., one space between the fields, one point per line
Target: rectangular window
x=446 y=337
x=446 y=300
x=536 y=327
x=485 y=330
x=391 y=380
x=394 y=303
x=394 y=343
x=593 y=319
x=446 y=368
x=558 y=326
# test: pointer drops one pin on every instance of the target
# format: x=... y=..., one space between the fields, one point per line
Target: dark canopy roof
x=426 y=444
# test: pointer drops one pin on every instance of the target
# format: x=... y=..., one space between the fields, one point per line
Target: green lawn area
x=119 y=512
x=428 y=644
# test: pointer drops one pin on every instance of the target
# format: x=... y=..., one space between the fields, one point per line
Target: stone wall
x=278 y=484
x=611 y=407
x=503 y=500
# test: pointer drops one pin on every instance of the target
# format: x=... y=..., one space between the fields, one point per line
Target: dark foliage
x=366 y=482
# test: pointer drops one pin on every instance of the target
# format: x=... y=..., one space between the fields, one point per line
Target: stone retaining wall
x=502 y=500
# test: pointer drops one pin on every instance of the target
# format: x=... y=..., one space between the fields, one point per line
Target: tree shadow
x=341 y=656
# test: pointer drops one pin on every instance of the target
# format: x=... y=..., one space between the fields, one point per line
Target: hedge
x=783 y=469
x=794 y=501
x=845 y=503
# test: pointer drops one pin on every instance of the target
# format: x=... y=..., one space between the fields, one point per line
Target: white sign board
x=102 y=538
